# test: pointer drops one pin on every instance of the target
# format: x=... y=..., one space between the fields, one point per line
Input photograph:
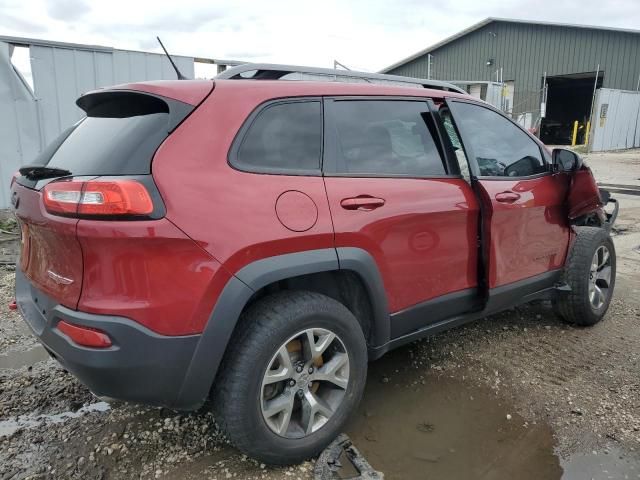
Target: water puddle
x=435 y=427
x=610 y=464
x=16 y=360
x=9 y=427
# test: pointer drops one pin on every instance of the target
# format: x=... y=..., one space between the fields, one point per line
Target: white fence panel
x=19 y=132
x=615 y=124
x=61 y=73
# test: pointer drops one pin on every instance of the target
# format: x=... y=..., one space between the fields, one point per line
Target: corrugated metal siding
x=61 y=75
x=29 y=121
x=620 y=127
x=19 y=133
x=525 y=52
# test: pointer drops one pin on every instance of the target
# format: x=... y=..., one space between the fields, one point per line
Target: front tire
x=293 y=373
x=590 y=273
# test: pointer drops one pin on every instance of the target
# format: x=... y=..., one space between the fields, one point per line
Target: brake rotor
x=295 y=346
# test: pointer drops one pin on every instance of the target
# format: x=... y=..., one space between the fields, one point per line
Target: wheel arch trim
x=240 y=288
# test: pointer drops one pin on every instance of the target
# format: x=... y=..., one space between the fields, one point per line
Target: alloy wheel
x=304 y=383
x=599 y=277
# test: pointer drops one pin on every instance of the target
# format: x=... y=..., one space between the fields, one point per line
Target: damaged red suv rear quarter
x=183 y=230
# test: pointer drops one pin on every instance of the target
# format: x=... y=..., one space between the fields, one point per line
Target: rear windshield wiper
x=39 y=172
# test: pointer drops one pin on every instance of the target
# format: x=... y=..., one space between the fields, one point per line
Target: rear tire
x=590 y=272
x=278 y=341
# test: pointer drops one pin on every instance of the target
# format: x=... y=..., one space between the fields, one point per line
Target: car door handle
x=362 y=202
x=507 y=197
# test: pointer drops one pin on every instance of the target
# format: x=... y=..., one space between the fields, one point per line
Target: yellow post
x=575 y=133
x=586 y=134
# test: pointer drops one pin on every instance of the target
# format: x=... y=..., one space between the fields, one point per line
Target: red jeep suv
x=257 y=241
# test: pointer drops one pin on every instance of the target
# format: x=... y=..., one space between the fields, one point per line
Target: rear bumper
x=141 y=366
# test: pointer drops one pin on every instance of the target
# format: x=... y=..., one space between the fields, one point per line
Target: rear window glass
x=119 y=135
x=283 y=137
x=112 y=146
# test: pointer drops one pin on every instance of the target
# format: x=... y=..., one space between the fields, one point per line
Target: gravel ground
x=581 y=382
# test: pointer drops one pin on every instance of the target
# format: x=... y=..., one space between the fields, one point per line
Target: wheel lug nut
x=292 y=383
x=299 y=368
x=300 y=393
x=310 y=369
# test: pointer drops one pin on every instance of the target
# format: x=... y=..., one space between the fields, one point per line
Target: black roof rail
x=268 y=71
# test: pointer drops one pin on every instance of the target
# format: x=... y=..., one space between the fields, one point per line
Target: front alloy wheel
x=590 y=274
x=305 y=383
x=600 y=277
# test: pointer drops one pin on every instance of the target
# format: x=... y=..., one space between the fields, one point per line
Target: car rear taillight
x=100 y=198
x=85 y=336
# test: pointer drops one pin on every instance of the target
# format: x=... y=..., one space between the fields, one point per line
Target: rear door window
x=385 y=137
x=283 y=137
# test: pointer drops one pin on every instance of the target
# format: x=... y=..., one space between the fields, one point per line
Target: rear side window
x=119 y=136
x=385 y=137
x=283 y=137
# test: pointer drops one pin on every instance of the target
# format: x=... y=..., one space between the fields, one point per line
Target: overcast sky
x=362 y=34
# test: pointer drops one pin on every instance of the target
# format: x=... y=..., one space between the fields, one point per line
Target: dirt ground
x=515 y=395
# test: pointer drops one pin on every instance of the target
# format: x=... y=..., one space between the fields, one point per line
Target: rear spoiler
x=130 y=103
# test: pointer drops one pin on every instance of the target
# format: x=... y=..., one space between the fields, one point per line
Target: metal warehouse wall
x=526 y=51
x=29 y=120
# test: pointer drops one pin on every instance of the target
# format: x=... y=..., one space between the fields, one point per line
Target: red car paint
x=51 y=255
x=149 y=271
x=583 y=195
x=425 y=226
x=527 y=226
x=167 y=273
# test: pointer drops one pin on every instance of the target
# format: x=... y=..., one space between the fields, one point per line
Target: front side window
x=500 y=148
x=385 y=137
x=283 y=137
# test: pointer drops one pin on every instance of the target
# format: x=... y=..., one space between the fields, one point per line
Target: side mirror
x=565 y=160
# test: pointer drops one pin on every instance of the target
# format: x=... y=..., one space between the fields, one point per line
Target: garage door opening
x=568 y=99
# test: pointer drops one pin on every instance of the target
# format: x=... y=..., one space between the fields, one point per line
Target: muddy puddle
x=27 y=358
x=434 y=427
x=605 y=465
x=12 y=425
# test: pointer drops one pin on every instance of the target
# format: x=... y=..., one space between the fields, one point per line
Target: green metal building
x=545 y=72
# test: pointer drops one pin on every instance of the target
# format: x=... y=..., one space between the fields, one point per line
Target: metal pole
x=593 y=98
x=586 y=135
x=543 y=103
x=428 y=66
x=638 y=84
x=595 y=83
